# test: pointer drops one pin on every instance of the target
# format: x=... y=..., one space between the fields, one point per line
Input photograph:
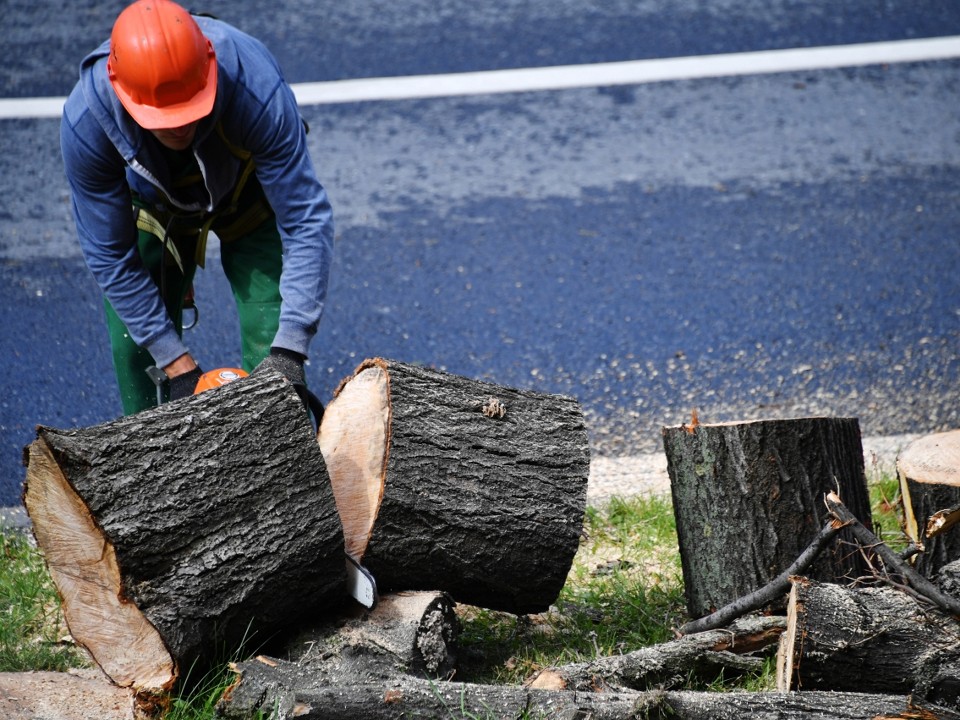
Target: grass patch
x=200 y=701
x=887 y=512
x=31 y=624
x=624 y=591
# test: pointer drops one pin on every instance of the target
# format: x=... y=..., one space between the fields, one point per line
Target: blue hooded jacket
x=106 y=156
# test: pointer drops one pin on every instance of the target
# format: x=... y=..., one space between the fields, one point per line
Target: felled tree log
x=183 y=530
x=869 y=639
x=748 y=499
x=448 y=483
x=791 y=706
x=413 y=633
x=409 y=697
x=707 y=655
x=929 y=470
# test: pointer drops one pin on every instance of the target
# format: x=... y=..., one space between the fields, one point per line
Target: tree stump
x=446 y=483
x=870 y=640
x=180 y=532
x=929 y=470
x=748 y=499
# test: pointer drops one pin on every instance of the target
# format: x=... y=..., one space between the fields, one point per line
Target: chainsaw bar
x=361 y=584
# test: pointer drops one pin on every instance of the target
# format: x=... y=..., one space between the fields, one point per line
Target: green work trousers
x=252 y=265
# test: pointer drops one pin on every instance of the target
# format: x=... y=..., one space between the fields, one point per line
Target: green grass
x=200 y=702
x=31 y=624
x=624 y=592
x=887 y=512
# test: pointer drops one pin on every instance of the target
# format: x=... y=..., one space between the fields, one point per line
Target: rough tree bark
x=929 y=470
x=706 y=655
x=748 y=498
x=180 y=531
x=876 y=639
x=410 y=697
x=410 y=633
x=448 y=483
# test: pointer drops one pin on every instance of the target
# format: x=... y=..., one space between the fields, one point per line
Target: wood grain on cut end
x=84 y=568
x=933 y=459
x=354 y=439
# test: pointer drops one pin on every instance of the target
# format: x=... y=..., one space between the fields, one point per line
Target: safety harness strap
x=149 y=223
x=256 y=213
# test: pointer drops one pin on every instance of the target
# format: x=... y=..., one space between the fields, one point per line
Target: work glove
x=289 y=364
x=181 y=386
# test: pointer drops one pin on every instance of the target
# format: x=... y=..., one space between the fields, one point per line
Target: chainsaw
x=361 y=585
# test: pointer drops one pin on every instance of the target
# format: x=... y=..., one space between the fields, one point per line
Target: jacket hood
x=102 y=101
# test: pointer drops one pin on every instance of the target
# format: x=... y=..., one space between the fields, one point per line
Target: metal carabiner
x=196 y=316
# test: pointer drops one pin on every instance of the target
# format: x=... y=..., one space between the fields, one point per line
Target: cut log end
x=933 y=459
x=354 y=440
x=84 y=568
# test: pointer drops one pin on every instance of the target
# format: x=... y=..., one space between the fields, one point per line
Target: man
x=180 y=125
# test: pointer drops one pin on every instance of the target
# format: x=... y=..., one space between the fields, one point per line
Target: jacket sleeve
x=107 y=232
x=278 y=141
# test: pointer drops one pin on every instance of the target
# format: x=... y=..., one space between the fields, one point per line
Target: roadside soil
x=75 y=695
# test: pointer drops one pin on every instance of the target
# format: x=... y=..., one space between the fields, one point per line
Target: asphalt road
x=769 y=245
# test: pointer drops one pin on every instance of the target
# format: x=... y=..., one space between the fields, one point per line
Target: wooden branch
x=669 y=664
x=781 y=584
x=914 y=579
x=407 y=697
x=770 y=592
x=943 y=520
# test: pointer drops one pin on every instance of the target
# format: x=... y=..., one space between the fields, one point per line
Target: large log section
x=748 y=499
x=179 y=531
x=929 y=470
x=446 y=483
x=871 y=640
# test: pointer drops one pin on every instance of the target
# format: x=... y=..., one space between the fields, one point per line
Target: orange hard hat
x=218 y=377
x=161 y=65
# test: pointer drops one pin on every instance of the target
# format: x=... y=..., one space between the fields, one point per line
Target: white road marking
x=561 y=77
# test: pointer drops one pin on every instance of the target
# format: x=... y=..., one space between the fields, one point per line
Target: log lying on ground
x=707 y=655
x=876 y=639
x=409 y=697
x=448 y=483
x=183 y=530
x=929 y=470
x=748 y=498
x=410 y=633
x=413 y=632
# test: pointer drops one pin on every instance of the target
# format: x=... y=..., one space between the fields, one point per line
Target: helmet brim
x=176 y=115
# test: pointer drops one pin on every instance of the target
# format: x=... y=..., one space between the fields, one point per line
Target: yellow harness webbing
x=251 y=218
